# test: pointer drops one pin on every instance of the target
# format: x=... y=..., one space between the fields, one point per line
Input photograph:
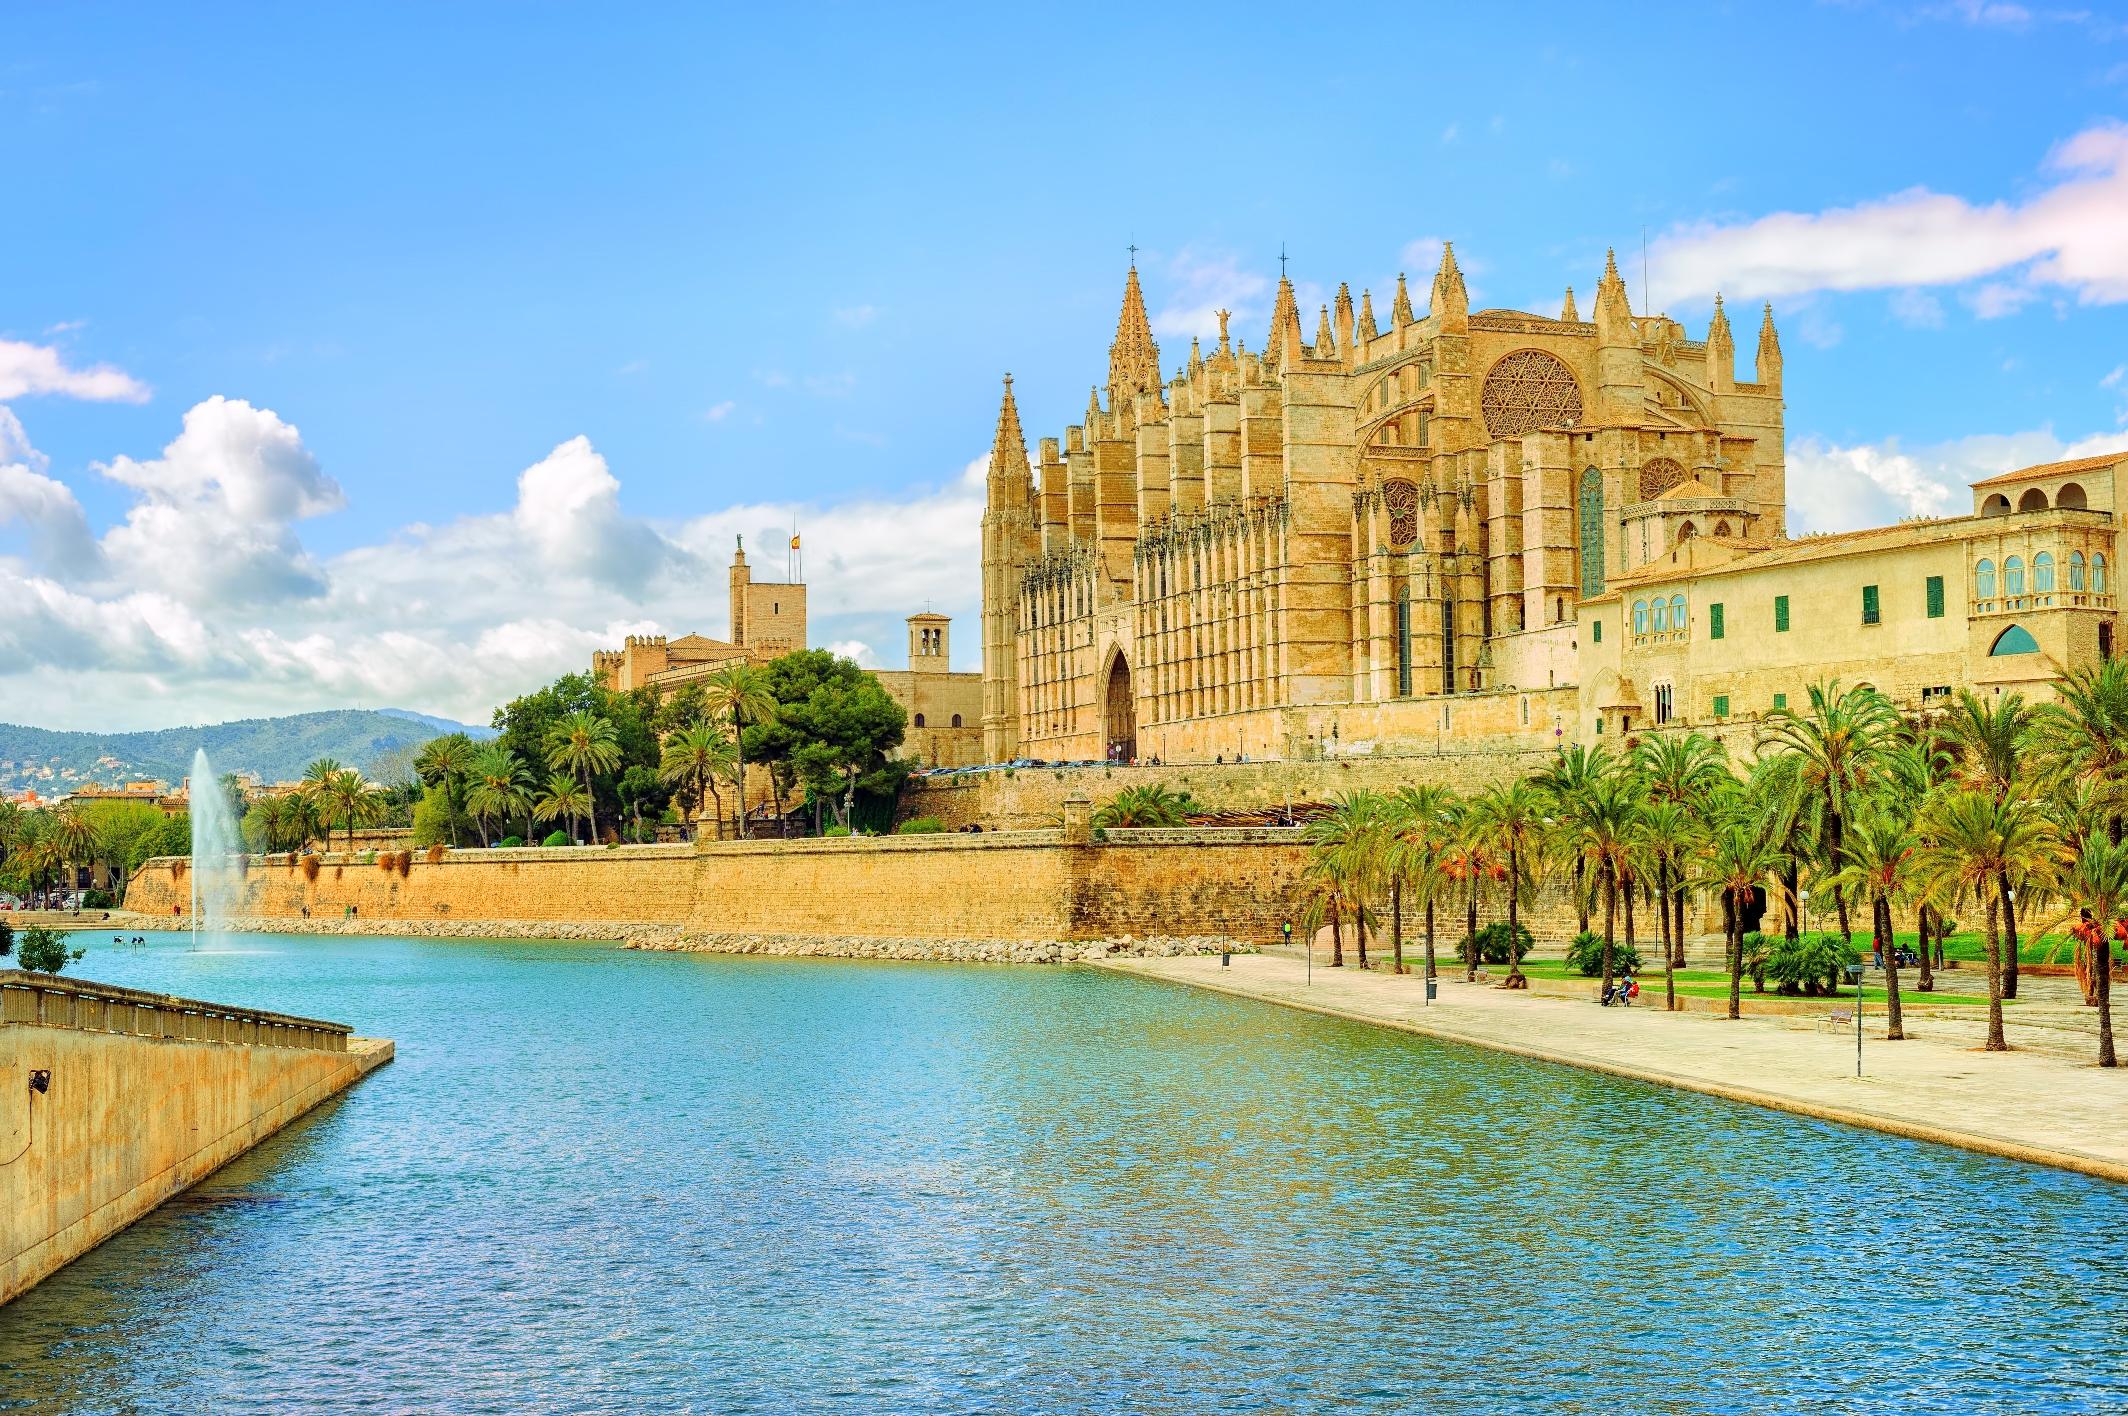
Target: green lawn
x=1971 y=948
x=1714 y=983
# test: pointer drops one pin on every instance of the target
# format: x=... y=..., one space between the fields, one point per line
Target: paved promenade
x=2029 y=1105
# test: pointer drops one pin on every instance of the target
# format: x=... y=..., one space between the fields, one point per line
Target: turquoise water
x=598 y=1180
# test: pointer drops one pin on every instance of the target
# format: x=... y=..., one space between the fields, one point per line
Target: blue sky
x=397 y=355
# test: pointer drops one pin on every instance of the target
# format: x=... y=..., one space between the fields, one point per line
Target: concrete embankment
x=2026 y=1105
x=113 y=1100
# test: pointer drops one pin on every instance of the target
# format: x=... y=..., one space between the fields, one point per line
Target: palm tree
x=1325 y=899
x=1567 y=780
x=1668 y=838
x=356 y=802
x=563 y=798
x=79 y=840
x=1990 y=740
x=583 y=743
x=694 y=758
x=447 y=761
x=500 y=787
x=1684 y=770
x=1610 y=820
x=744 y=696
x=2083 y=735
x=1877 y=864
x=1351 y=840
x=1739 y=856
x=316 y=790
x=1153 y=805
x=1465 y=866
x=1840 y=743
x=1421 y=825
x=1512 y=819
x=2098 y=882
x=1972 y=841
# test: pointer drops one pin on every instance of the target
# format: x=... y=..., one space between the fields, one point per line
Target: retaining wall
x=142 y=1095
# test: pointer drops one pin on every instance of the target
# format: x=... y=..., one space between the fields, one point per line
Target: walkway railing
x=43 y=1000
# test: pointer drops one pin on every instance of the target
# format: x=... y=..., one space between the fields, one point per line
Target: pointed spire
x=1343 y=308
x=1367 y=327
x=1721 y=351
x=1009 y=470
x=1093 y=412
x=1400 y=312
x=1196 y=359
x=1451 y=300
x=1769 y=363
x=1284 y=343
x=1568 y=312
x=1614 y=316
x=1133 y=360
x=1325 y=337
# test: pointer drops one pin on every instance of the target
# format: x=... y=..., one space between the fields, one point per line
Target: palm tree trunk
x=1833 y=834
x=739 y=807
x=2105 y=995
x=1359 y=926
x=1677 y=927
x=1581 y=894
x=1669 y=958
x=1514 y=890
x=1396 y=921
x=1627 y=902
x=1792 y=880
x=1470 y=965
x=1337 y=939
x=1929 y=926
x=2009 y=930
x=591 y=803
x=1610 y=923
x=1429 y=936
x=1735 y=944
x=1996 y=1043
x=1881 y=923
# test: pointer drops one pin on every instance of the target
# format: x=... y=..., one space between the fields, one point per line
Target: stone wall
x=1032 y=798
x=138 y=1105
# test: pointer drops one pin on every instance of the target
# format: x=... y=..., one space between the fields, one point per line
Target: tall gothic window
x=1403 y=631
x=1591 y=533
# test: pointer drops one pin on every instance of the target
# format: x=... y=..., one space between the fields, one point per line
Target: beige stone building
x=1719 y=631
x=1376 y=538
x=768 y=620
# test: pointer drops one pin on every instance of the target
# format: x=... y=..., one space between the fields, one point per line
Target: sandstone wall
x=130 y=1116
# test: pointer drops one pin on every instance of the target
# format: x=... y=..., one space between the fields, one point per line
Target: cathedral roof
x=1692 y=488
x=2056 y=469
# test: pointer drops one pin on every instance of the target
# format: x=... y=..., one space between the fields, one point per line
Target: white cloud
x=1450 y=133
x=718 y=412
x=1917 y=309
x=1833 y=487
x=2071 y=236
x=856 y=316
x=1998 y=298
x=2113 y=380
x=37 y=369
x=185 y=611
x=1201 y=284
x=857 y=652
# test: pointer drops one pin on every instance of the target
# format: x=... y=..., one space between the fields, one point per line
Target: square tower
x=928 y=644
x=767 y=616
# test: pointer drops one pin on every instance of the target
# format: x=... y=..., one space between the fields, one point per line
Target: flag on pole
x=794 y=543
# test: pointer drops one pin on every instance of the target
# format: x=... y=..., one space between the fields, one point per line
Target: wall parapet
x=42 y=1000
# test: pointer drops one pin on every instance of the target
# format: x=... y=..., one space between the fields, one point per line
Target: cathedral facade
x=1374 y=539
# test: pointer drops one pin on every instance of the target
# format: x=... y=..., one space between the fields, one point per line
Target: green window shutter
x=1935 y=597
x=1721 y=705
x=1780 y=614
x=1780 y=700
x=1870 y=613
x=1596 y=631
x=1714 y=622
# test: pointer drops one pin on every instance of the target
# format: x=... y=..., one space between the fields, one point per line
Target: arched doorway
x=1119 y=716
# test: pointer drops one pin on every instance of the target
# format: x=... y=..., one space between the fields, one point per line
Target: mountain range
x=274 y=749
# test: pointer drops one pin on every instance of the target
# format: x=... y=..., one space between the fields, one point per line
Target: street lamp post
x=1854 y=972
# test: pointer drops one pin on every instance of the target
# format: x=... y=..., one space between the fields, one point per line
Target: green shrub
x=1586 y=954
x=97 y=900
x=1757 y=955
x=45 y=951
x=511 y=841
x=836 y=831
x=1814 y=966
x=1492 y=943
x=558 y=838
x=7 y=939
x=920 y=826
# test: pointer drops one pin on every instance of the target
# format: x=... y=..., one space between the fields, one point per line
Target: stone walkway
x=2030 y=1105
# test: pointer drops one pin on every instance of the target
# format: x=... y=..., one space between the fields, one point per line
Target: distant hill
x=277 y=749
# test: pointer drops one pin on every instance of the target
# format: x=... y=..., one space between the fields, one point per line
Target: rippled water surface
x=597 y=1180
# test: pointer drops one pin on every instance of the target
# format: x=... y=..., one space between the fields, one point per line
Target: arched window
x=2071 y=494
x=1721 y=528
x=1677 y=612
x=1661 y=621
x=919 y=720
x=2042 y=573
x=1640 y=616
x=1591 y=533
x=2014 y=640
x=1996 y=505
x=1984 y=580
x=1685 y=533
x=2098 y=574
x=2076 y=570
x=1403 y=633
x=2013 y=575
x=2033 y=500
